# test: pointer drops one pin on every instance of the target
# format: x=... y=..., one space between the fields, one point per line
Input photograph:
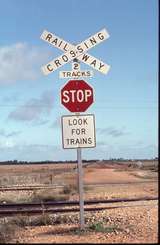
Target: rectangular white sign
x=78 y=131
x=75 y=74
x=78 y=51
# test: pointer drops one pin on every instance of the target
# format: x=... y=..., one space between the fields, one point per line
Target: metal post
x=80 y=169
x=80 y=185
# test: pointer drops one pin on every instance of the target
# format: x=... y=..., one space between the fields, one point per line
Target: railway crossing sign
x=78 y=131
x=77 y=95
x=72 y=51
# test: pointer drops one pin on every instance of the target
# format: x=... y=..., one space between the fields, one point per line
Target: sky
x=126 y=98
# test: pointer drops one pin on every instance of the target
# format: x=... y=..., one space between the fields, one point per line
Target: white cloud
x=40 y=122
x=6 y=144
x=34 y=108
x=56 y=123
x=114 y=132
x=41 y=152
x=31 y=152
x=8 y=135
x=19 y=62
x=10 y=98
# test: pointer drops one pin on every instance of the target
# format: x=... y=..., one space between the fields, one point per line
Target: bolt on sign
x=77 y=95
x=78 y=131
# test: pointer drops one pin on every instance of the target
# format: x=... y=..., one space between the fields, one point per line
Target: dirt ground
x=136 y=223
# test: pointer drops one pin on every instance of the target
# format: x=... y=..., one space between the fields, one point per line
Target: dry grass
x=145 y=174
x=42 y=195
x=18 y=197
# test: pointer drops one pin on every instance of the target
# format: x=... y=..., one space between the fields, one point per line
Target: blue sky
x=126 y=99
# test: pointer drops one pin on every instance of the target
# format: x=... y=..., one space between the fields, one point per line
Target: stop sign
x=77 y=95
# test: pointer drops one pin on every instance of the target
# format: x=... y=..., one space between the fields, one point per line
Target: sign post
x=76 y=67
x=80 y=186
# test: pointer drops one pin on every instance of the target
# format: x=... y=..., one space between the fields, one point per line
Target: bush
x=66 y=190
x=20 y=221
x=44 y=219
x=7 y=232
x=69 y=189
x=44 y=196
x=73 y=189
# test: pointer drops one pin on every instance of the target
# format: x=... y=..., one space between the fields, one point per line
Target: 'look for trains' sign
x=78 y=131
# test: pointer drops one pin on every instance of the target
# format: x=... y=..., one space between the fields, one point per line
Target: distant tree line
x=16 y=162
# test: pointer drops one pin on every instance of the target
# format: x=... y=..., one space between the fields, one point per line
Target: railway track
x=60 y=206
x=30 y=188
x=39 y=187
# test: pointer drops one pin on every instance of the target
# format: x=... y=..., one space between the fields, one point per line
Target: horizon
x=73 y=161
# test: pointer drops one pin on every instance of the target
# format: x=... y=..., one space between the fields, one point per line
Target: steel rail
x=71 y=203
x=121 y=183
x=33 y=187
x=66 y=210
x=28 y=188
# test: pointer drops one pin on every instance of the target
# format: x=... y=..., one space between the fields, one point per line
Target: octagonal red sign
x=77 y=95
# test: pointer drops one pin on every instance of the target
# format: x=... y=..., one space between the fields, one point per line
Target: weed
x=99 y=227
x=80 y=232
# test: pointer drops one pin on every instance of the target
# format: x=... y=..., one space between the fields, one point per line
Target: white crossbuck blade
x=72 y=52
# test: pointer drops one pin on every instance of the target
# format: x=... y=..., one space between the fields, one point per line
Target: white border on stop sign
x=76 y=80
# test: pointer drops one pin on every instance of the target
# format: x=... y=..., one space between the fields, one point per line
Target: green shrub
x=99 y=227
